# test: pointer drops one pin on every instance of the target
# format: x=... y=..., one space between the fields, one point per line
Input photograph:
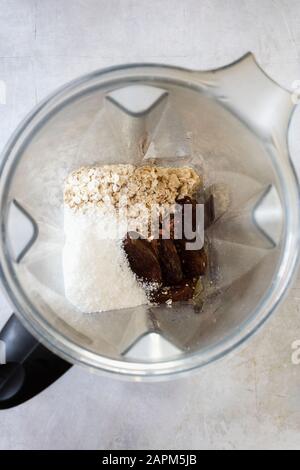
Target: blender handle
x=28 y=366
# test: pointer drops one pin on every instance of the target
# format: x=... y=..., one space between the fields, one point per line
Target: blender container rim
x=70 y=351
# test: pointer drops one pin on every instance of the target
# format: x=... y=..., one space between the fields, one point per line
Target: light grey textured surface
x=252 y=398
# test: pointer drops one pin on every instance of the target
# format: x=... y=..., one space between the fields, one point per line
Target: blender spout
x=263 y=105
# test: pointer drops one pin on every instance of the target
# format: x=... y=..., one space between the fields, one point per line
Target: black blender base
x=29 y=367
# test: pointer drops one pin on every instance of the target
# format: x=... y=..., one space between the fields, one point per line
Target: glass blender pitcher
x=230 y=124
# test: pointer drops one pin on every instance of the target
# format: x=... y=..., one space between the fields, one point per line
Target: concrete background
x=252 y=398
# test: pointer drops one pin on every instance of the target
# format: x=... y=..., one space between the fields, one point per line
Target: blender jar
x=230 y=124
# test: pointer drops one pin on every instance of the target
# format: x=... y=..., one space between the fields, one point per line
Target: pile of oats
x=127 y=186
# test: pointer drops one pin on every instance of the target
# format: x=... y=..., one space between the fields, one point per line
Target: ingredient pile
x=121 y=226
